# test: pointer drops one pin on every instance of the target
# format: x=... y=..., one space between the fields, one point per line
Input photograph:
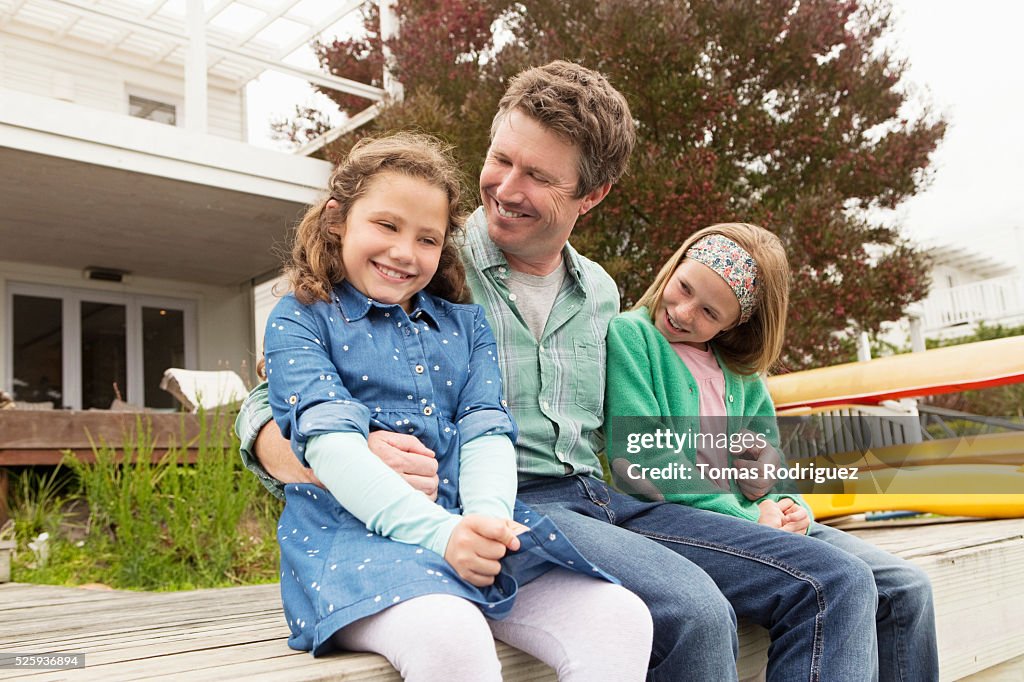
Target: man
x=561 y=138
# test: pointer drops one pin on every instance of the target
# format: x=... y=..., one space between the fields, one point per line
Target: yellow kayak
x=932 y=372
x=990 y=463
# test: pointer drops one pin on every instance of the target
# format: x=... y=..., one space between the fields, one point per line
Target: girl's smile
x=391 y=273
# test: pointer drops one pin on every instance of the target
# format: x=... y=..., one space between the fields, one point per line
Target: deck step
x=976 y=567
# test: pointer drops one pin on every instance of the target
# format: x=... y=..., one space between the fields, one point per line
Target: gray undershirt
x=535 y=296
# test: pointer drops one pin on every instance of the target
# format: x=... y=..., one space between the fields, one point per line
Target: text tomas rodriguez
x=678 y=471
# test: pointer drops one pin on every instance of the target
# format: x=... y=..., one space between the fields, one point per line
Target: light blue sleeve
x=487 y=476
x=376 y=495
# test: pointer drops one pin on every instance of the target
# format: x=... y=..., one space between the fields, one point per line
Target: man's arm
x=269 y=455
x=274 y=454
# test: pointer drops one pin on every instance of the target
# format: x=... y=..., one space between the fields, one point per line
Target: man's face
x=528 y=189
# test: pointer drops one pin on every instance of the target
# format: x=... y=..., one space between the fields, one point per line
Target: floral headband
x=733 y=264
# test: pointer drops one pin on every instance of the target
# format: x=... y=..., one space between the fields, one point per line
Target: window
x=83 y=349
x=38 y=350
x=152 y=109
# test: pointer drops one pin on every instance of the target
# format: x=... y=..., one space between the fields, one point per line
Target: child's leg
x=584 y=628
x=428 y=638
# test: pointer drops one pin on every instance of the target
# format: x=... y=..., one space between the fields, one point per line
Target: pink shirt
x=703 y=365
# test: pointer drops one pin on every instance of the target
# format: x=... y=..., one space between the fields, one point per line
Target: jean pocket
x=590 y=375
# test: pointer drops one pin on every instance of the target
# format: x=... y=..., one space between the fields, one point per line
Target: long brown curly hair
x=315 y=264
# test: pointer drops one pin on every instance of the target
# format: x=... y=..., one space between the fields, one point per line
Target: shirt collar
x=487 y=255
x=355 y=305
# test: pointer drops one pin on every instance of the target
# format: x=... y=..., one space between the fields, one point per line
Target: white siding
x=264 y=300
x=55 y=71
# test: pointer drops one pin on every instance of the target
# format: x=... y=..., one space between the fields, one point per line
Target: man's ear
x=595 y=197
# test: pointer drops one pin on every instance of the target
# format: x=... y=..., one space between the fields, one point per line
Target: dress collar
x=355 y=305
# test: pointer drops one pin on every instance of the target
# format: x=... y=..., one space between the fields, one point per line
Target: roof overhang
x=241 y=38
x=84 y=188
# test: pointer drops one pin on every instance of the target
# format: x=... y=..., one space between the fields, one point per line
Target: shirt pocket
x=590 y=375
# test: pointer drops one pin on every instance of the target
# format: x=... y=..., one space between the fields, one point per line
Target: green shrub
x=168 y=524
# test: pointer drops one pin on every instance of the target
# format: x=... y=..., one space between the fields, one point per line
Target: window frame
x=71 y=334
x=155 y=96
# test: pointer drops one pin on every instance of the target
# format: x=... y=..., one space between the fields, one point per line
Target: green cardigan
x=646 y=378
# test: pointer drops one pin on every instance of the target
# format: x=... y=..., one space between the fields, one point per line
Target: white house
x=968 y=288
x=135 y=218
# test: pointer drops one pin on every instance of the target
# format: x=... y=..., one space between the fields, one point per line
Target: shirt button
x=504 y=403
x=512 y=297
x=730 y=399
x=501 y=268
x=545 y=405
x=428 y=410
x=419 y=369
x=292 y=400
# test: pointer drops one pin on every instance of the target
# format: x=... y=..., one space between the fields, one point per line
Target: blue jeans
x=817 y=596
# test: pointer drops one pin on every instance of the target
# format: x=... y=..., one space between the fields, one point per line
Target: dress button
x=419 y=369
x=428 y=410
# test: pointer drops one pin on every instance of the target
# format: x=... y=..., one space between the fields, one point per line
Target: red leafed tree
x=787 y=113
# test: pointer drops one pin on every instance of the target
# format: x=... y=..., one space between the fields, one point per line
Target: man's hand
x=409 y=457
x=404 y=453
x=276 y=456
x=478 y=543
x=633 y=486
x=756 y=459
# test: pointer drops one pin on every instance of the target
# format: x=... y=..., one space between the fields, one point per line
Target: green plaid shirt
x=554 y=387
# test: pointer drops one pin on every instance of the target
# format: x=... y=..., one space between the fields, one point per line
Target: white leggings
x=584 y=628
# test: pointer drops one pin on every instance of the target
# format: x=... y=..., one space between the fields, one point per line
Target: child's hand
x=771 y=514
x=756 y=459
x=795 y=518
x=478 y=543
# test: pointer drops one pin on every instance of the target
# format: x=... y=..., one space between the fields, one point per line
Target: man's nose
x=509 y=189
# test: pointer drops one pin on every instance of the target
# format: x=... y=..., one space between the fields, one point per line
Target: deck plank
x=231 y=633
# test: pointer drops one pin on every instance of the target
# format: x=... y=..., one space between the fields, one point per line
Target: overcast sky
x=965 y=58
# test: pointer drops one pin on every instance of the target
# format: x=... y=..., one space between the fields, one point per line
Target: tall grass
x=168 y=524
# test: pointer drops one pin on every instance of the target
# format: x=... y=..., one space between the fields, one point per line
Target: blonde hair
x=580 y=106
x=315 y=263
x=755 y=345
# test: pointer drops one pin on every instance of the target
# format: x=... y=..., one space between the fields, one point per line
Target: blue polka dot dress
x=358 y=365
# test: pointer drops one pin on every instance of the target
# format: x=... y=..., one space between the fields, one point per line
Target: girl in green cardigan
x=689 y=358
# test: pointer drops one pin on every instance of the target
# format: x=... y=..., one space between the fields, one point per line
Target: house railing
x=989 y=300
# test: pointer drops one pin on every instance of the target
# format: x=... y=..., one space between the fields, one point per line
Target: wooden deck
x=977 y=568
